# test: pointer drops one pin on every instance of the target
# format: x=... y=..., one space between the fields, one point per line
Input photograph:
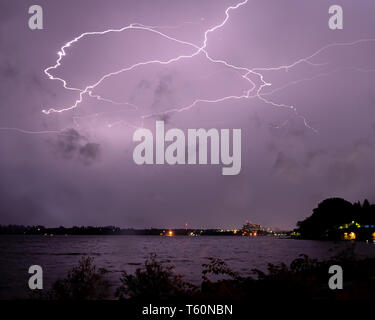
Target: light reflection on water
x=58 y=254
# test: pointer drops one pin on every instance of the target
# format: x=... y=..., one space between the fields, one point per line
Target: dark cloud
x=166 y=117
x=144 y=84
x=89 y=152
x=8 y=70
x=163 y=93
x=72 y=145
x=286 y=168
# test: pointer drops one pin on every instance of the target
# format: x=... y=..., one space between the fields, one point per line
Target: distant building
x=250 y=229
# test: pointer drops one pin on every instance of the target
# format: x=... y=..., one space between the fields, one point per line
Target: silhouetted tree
x=331 y=213
x=154 y=281
x=83 y=282
x=325 y=217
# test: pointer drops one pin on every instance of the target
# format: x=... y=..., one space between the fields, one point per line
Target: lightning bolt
x=253 y=90
x=89 y=88
x=59 y=132
x=202 y=49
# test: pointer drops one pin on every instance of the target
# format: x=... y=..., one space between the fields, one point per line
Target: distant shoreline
x=111 y=230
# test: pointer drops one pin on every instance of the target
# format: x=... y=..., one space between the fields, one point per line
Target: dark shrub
x=154 y=281
x=83 y=282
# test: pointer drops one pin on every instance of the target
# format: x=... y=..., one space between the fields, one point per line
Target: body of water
x=58 y=254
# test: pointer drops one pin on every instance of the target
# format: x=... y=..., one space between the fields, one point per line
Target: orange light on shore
x=170 y=233
x=350 y=236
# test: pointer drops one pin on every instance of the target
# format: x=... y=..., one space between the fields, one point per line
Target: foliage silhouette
x=333 y=212
x=83 y=282
x=304 y=278
x=154 y=281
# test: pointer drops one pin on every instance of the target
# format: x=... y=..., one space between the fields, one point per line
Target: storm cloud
x=309 y=136
x=71 y=145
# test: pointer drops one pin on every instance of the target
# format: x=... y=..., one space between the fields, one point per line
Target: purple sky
x=76 y=167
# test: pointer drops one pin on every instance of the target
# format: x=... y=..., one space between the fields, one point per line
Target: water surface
x=58 y=254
